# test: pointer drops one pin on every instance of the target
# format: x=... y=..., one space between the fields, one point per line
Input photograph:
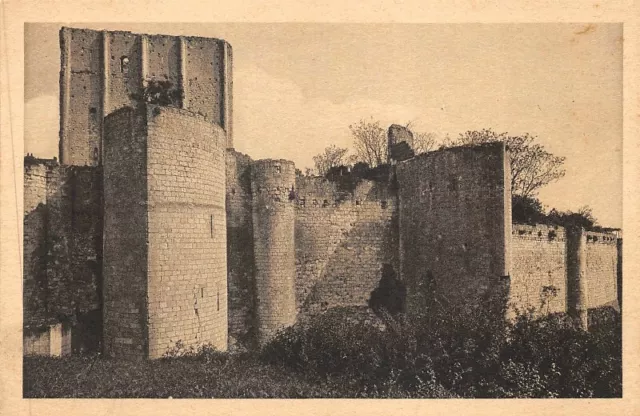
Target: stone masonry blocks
x=272 y=185
x=187 y=276
x=453 y=224
x=165 y=232
x=102 y=71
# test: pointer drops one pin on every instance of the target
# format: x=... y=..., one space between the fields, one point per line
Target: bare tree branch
x=333 y=156
x=532 y=166
x=370 y=142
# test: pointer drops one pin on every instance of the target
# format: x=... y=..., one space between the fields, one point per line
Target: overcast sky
x=297 y=87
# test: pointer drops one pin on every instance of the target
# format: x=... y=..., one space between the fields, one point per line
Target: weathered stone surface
x=272 y=183
x=103 y=71
x=454 y=222
x=165 y=232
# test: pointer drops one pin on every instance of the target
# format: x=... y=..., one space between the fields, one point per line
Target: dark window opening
x=124 y=64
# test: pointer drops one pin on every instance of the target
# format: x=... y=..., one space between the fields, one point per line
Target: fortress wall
x=62 y=254
x=123 y=80
x=240 y=263
x=187 y=289
x=340 y=251
x=601 y=269
x=74 y=240
x=204 y=79
x=94 y=83
x=309 y=188
x=342 y=238
x=34 y=245
x=81 y=97
x=125 y=234
x=539 y=268
x=163 y=58
x=454 y=222
x=273 y=233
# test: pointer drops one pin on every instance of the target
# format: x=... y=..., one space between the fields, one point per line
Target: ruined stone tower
x=102 y=71
x=164 y=269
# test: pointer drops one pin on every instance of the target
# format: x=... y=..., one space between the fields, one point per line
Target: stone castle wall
x=454 y=222
x=125 y=291
x=62 y=249
x=35 y=245
x=601 y=269
x=341 y=244
x=539 y=267
x=541 y=275
x=204 y=245
x=165 y=263
x=240 y=254
x=187 y=275
x=102 y=71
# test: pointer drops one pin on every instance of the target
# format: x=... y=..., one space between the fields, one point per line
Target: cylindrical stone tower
x=272 y=183
x=577 y=296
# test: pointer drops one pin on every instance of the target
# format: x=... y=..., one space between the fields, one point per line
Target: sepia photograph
x=322 y=210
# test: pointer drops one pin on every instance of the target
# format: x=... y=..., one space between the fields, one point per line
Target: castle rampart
x=342 y=240
x=453 y=221
x=62 y=254
x=539 y=273
x=558 y=270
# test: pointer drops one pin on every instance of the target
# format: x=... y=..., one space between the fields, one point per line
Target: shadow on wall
x=349 y=274
x=390 y=295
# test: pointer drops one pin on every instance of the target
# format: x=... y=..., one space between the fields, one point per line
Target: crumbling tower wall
x=102 y=71
x=272 y=186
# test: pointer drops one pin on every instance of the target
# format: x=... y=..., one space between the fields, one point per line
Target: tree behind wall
x=332 y=157
x=370 y=142
x=532 y=166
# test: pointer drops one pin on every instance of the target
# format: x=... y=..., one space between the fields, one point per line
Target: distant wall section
x=601 y=263
x=539 y=268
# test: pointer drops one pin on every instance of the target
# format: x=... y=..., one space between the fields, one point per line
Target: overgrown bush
x=459 y=351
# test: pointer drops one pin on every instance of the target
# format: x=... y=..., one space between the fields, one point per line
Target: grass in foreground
x=440 y=355
x=208 y=375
